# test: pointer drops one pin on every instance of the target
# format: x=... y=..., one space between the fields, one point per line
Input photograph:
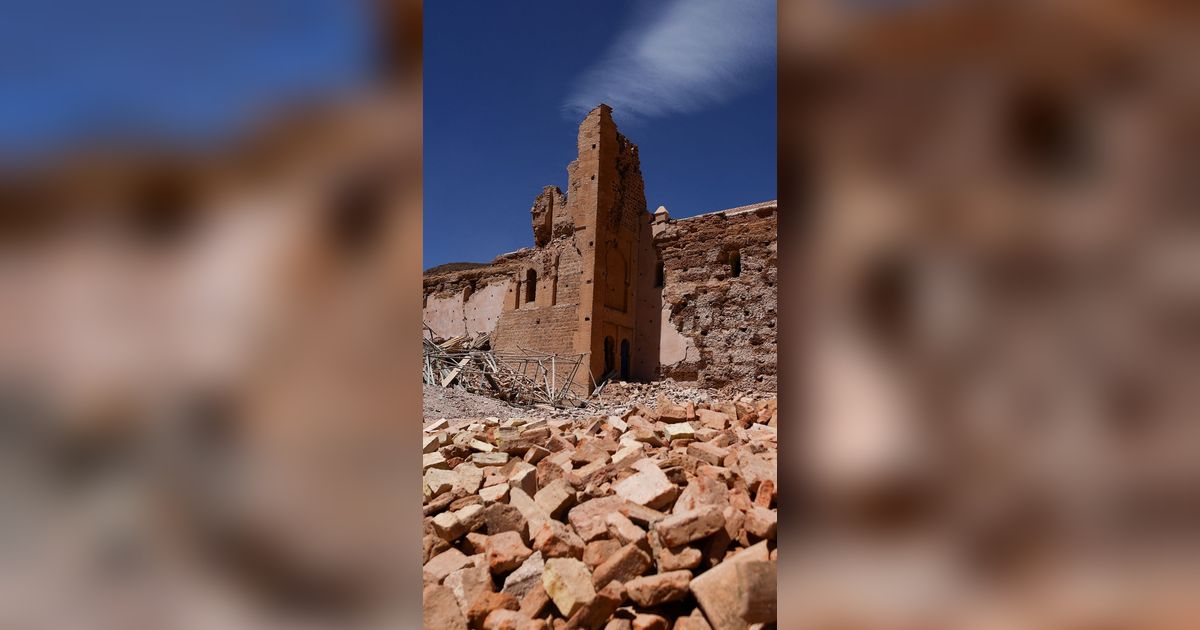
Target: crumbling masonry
x=642 y=296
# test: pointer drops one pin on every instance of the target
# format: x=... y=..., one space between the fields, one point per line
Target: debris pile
x=663 y=517
x=526 y=378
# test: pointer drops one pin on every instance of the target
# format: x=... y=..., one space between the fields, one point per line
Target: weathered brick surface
x=594 y=266
x=720 y=329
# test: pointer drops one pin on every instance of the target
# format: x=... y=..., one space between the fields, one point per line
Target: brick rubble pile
x=662 y=518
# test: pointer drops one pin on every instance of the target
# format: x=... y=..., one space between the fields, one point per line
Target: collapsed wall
x=469 y=301
x=641 y=297
x=719 y=296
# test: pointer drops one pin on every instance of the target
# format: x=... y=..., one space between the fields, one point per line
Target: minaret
x=607 y=202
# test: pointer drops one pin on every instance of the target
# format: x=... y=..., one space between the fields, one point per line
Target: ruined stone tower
x=640 y=296
x=578 y=293
x=607 y=199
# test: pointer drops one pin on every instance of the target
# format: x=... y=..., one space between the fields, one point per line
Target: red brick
x=685 y=527
x=569 y=584
x=488 y=602
x=718 y=590
x=440 y=610
x=660 y=588
x=558 y=540
x=760 y=522
x=588 y=518
x=623 y=529
x=506 y=551
x=593 y=614
x=597 y=551
x=627 y=563
x=649 y=486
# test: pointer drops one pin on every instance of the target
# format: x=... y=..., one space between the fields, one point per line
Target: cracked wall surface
x=717 y=328
x=598 y=289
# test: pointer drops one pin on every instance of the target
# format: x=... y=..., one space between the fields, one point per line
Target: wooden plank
x=454 y=373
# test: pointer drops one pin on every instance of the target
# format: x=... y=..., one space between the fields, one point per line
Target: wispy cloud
x=681 y=57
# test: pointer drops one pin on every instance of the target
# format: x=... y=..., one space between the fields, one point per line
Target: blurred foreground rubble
x=661 y=517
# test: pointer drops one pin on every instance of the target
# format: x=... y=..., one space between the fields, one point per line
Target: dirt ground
x=451 y=402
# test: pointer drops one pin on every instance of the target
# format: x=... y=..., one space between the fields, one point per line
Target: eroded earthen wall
x=718 y=329
x=549 y=329
x=468 y=301
x=594 y=272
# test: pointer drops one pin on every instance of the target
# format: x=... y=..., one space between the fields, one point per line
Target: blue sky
x=74 y=72
x=506 y=84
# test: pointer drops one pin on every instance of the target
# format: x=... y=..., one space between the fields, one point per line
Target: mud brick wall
x=718 y=329
x=548 y=329
x=594 y=262
x=468 y=301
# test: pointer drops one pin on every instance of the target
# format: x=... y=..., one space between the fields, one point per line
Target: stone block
x=444 y=564
x=649 y=486
x=627 y=563
x=597 y=551
x=486 y=604
x=519 y=582
x=700 y=492
x=708 y=452
x=439 y=481
x=536 y=600
x=502 y=517
x=468 y=583
x=719 y=590
x=555 y=498
x=533 y=513
x=653 y=590
x=433 y=460
x=505 y=619
x=490 y=459
x=760 y=522
x=492 y=494
x=569 y=584
x=588 y=518
x=757 y=591
x=685 y=527
x=558 y=540
x=680 y=431
x=506 y=551
x=623 y=529
x=448 y=527
x=440 y=610
x=594 y=613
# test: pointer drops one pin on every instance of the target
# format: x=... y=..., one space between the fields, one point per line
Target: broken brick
x=569 y=584
x=685 y=527
x=627 y=563
x=653 y=590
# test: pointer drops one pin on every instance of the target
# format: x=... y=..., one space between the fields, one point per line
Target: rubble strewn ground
x=615 y=399
x=661 y=516
x=455 y=402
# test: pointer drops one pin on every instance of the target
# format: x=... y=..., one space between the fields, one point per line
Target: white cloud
x=683 y=57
